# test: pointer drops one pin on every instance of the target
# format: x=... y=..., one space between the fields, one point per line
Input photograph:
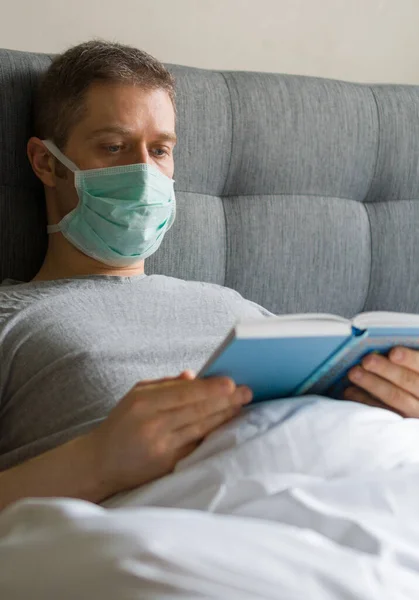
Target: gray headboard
x=301 y=193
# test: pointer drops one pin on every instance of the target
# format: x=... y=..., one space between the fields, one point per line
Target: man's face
x=122 y=125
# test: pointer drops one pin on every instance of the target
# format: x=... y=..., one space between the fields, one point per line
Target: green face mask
x=123 y=212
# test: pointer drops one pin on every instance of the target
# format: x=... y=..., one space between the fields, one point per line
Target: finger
x=402 y=377
x=406 y=357
x=145 y=382
x=188 y=374
x=355 y=394
x=200 y=429
x=174 y=394
x=200 y=411
x=393 y=396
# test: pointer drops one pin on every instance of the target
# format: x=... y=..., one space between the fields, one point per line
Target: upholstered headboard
x=300 y=193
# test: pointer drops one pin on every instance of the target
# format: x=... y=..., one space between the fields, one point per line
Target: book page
x=299 y=325
x=392 y=320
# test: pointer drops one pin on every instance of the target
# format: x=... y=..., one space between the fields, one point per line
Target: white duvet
x=308 y=499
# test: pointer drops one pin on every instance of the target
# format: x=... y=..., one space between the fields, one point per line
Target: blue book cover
x=276 y=355
x=279 y=357
x=331 y=379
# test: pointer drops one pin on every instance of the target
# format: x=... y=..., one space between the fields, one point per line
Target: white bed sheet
x=306 y=498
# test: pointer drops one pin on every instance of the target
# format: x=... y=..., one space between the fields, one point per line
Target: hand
x=391 y=382
x=159 y=422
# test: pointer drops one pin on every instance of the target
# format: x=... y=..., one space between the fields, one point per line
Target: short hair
x=59 y=101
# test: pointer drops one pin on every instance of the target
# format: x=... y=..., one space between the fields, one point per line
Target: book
x=295 y=355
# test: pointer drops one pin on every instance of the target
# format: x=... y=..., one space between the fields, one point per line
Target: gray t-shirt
x=71 y=348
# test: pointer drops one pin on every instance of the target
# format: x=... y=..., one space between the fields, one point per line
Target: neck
x=63 y=260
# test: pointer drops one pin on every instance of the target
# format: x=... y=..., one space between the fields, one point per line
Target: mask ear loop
x=51 y=147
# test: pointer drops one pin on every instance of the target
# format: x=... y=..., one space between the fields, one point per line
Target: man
x=83 y=412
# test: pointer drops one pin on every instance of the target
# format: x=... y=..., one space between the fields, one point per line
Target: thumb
x=188 y=374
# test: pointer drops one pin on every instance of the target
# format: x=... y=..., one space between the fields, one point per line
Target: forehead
x=128 y=106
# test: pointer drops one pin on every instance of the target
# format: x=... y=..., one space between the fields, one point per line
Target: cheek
x=66 y=196
x=167 y=167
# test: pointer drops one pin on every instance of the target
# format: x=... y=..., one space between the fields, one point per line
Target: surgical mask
x=123 y=212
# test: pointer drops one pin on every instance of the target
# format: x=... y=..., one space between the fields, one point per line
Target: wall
x=358 y=40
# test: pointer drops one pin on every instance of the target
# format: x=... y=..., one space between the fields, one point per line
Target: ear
x=43 y=164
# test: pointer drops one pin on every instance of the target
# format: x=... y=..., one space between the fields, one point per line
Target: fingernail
x=355 y=374
x=397 y=354
x=371 y=361
x=246 y=395
x=226 y=386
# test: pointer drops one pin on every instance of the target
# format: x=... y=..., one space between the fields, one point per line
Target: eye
x=113 y=148
x=160 y=152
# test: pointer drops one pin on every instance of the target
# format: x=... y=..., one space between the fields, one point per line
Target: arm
x=69 y=470
x=155 y=425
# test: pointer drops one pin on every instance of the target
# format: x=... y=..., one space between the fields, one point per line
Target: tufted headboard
x=301 y=193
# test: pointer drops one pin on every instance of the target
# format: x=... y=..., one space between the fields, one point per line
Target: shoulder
x=187 y=286
x=211 y=291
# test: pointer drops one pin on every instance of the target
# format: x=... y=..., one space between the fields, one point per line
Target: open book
x=292 y=355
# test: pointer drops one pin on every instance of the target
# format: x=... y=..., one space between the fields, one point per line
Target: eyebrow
x=163 y=135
